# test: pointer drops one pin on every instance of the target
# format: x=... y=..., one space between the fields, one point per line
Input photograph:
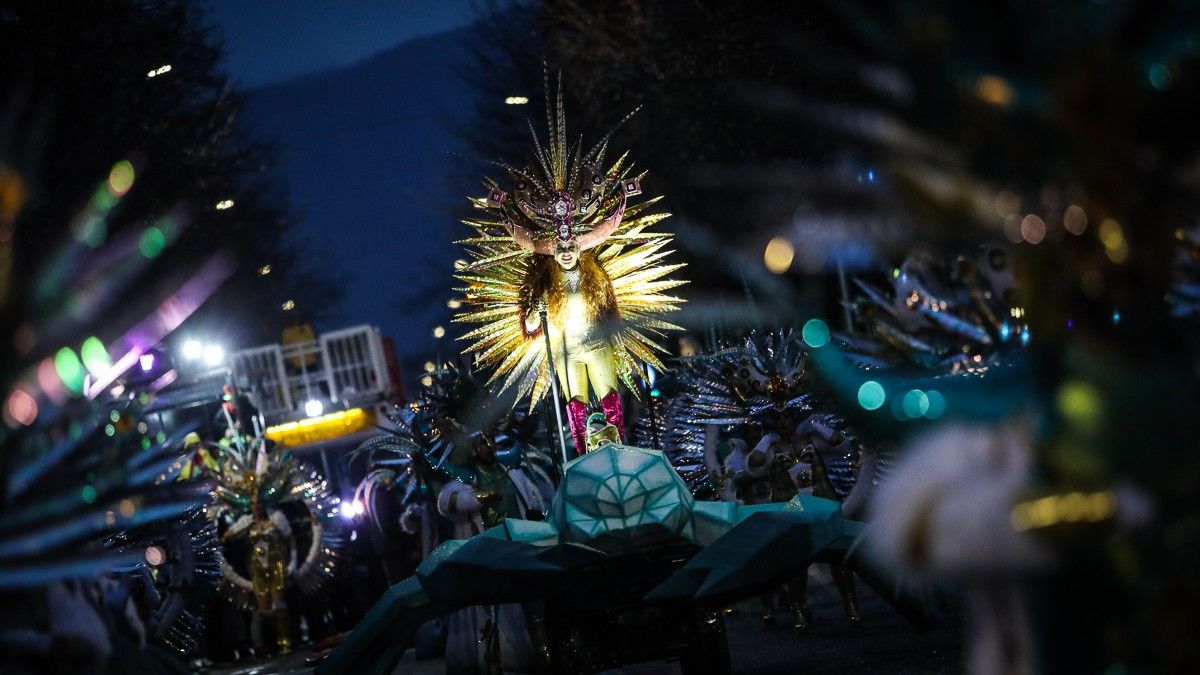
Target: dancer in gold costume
x=566 y=244
x=272 y=559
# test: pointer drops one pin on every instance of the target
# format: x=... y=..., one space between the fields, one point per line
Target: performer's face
x=566 y=254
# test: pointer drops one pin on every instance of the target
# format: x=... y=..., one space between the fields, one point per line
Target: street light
x=313 y=408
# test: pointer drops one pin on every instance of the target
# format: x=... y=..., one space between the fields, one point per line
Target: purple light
x=147 y=362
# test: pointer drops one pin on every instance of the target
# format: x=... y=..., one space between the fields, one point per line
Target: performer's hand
x=533 y=321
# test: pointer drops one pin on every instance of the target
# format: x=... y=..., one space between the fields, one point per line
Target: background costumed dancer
x=747 y=426
x=255 y=491
x=463 y=454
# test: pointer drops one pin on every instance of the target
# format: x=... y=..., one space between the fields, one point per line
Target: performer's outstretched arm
x=525 y=240
x=602 y=231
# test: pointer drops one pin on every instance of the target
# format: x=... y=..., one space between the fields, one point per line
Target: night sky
x=271 y=41
x=358 y=101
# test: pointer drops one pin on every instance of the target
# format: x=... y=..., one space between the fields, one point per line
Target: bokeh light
x=95 y=356
x=20 y=408
x=439 y=332
x=871 y=395
x=155 y=555
x=1075 y=219
x=1006 y=203
x=93 y=231
x=1080 y=404
x=1033 y=229
x=937 y=404
x=994 y=90
x=915 y=404
x=815 y=333
x=213 y=355
x=69 y=369
x=152 y=242
x=120 y=178
x=1112 y=235
x=779 y=255
x=48 y=380
x=192 y=349
x=1160 y=77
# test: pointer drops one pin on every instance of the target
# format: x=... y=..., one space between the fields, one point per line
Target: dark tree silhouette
x=86 y=86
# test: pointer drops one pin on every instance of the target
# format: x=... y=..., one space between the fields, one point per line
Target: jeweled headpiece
x=566 y=192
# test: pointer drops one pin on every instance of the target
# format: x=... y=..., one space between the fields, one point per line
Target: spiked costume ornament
x=956 y=316
x=567 y=243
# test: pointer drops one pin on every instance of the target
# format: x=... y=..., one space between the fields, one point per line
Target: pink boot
x=577 y=416
x=614 y=413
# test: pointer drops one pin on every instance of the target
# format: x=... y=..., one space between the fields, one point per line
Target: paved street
x=885 y=644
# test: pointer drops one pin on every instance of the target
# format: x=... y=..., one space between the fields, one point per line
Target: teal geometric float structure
x=620 y=498
x=614 y=504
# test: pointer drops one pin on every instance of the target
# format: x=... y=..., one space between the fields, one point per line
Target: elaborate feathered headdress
x=569 y=193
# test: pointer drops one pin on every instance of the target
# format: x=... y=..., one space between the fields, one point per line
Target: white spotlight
x=213 y=355
x=192 y=350
x=313 y=408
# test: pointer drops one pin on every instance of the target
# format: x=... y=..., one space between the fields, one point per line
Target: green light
x=937 y=404
x=146 y=443
x=152 y=242
x=895 y=272
x=871 y=395
x=69 y=370
x=161 y=437
x=88 y=494
x=815 y=333
x=114 y=415
x=916 y=404
x=109 y=430
x=1081 y=404
x=655 y=393
x=95 y=356
x=103 y=200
